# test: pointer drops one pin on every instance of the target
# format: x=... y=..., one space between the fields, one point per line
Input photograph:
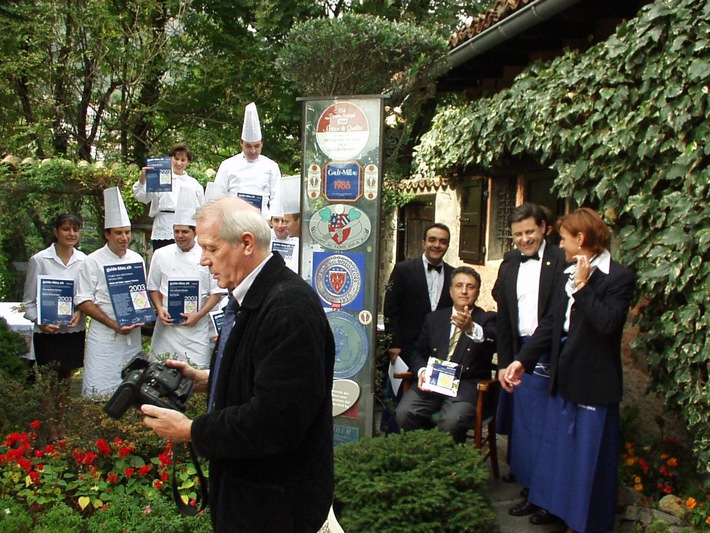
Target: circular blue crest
x=352 y=347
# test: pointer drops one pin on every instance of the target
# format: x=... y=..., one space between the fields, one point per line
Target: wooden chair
x=486 y=409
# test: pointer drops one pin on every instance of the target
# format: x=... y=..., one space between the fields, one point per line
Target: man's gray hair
x=235 y=216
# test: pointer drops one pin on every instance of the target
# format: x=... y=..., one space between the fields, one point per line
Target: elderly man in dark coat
x=268 y=430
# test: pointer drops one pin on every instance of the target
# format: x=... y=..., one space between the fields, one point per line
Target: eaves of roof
x=506 y=19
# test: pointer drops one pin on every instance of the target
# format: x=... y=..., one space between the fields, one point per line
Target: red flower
x=124 y=451
x=158 y=484
x=39 y=454
x=667 y=489
x=129 y=472
x=664 y=470
x=165 y=459
x=25 y=464
x=35 y=424
x=103 y=447
x=34 y=476
x=164 y=476
x=112 y=478
x=89 y=458
x=144 y=470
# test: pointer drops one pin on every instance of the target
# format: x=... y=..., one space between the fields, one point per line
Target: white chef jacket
x=163 y=204
x=288 y=248
x=107 y=352
x=191 y=344
x=47 y=263
x=237 y=175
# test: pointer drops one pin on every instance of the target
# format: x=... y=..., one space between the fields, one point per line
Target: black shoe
x=524 y=508
x=542 y=517
x=524 y=492
x=508 y=478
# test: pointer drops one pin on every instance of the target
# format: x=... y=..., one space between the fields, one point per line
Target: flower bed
x=654 y=470
x=35 y=478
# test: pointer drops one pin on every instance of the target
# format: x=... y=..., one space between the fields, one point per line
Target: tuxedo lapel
x=547 y=277
x=421 y=286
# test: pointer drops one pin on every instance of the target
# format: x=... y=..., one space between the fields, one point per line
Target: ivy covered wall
x=625 y=125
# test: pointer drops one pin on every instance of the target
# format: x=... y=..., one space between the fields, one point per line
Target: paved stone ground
x=506 y=495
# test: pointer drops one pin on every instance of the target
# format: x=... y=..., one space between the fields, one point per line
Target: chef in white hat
x=163 y=204
x=109 y=347
x=250 y=175
x=185 y=337
x=281 y=241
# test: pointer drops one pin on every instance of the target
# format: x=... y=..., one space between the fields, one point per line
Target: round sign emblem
x=351 y=345
x=365 y=317
x=342 y=131
x=338 y=280
x=339 y=227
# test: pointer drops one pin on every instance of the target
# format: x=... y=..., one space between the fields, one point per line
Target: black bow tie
x=430 y=267
x=524 y=258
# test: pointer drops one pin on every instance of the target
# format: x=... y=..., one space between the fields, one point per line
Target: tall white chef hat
x=210 y=192
x=251 y=130
x=289 y=196
x=186 y=207
x=116 y=215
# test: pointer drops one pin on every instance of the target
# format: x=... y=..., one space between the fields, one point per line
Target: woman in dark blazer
x=576 y=475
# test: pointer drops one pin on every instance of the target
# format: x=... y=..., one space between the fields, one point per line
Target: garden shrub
x=417 y=481
x=60 y=518
x=14 y=517
x=12 y=348
x=133 y=514
x=20 y=402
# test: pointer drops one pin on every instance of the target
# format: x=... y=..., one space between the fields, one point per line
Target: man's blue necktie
x=230 y=316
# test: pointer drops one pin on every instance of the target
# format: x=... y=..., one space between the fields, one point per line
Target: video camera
x=151 y=383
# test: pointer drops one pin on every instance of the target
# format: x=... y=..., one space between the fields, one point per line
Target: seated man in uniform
x=464 y=335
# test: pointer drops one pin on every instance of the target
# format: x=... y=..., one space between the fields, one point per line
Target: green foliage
x=12 y=347
x=421 y=478
x=152 y=515
x=440 y=16
x=14 y=517
x=324 y=56
x=33 y=193
x=625 y=126
x=21 y=402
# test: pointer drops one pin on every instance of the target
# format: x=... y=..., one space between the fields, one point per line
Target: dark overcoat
x=269 y=440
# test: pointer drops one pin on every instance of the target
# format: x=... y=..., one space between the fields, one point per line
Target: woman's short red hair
x=597 y=235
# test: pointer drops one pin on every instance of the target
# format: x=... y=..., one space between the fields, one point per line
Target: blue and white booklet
x=284 y=248
x=129 y=296
x=160 y=177
x=442 y=376
x=183 y=297
x=252 y=199
x=217 y=320
x=55 y=300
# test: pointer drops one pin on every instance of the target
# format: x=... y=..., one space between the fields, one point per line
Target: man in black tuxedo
x=523 y=292
x=416 y=287
x=463 y=334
